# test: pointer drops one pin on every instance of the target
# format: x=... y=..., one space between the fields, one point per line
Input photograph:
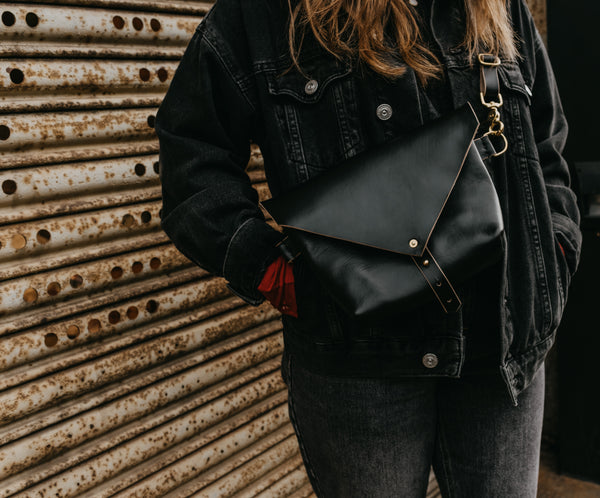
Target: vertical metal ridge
x=303 y=492
x=175 y=6
x=287 y=485
x=245 y=466
x=150 y=298
x=156 y=447
x=93 y=431
x=31 y=397
x=56 y=26
x=86 y=403
x=71 y=255
x=186 y=467
x=270 y=473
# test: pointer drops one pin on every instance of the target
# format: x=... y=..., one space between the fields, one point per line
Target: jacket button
x=430 y=360
x=384 y=111
x=311 y=87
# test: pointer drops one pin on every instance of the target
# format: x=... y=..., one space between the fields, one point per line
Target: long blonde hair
x=351 y=28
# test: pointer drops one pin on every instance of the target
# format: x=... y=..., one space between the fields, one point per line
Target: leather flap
x=389 y=197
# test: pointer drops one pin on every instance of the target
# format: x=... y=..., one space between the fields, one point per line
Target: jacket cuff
x=250 y=251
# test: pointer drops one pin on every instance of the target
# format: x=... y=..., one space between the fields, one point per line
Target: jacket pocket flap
x=389 y=197
x=319 y=72
x=511 y=78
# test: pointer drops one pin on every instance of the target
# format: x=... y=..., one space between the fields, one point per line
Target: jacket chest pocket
x=315 y=113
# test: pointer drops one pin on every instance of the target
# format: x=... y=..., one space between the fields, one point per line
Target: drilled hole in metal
x=140 y=169
x=50 y=340
x=9 y=187
x=146 y=216
x=43 y=236
x=151 y=120
x=163 y=74
x=114 y=317
x=151 y=306
x=156 y=167
x=132 y=312
x=30 y=295
x=116 y=272
x=144 y=74
x=16 y=76
x=32 y=19
x=8 y=18
x=128 y=220
x=137 y=267
x=137 y=23
x=155 y=24
x=53 y=288
x=76 y=281
x=119 y=22
x=155 y=263
x=94 y=325
x=4 y=132
x=73 y=331
x=18 y=241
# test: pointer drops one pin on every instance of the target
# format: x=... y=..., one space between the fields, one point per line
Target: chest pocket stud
x=311 y=87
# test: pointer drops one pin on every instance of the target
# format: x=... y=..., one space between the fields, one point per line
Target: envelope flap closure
x=389 y=197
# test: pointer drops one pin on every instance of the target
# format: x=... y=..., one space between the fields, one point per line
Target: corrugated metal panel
x=124 y=369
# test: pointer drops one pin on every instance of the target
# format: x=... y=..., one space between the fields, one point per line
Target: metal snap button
x=430 y=360
x=311 y=87
x=384 y=111
x=413 y=243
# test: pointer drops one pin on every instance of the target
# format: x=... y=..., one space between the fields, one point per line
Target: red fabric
x=561 y=248
x=277 y=285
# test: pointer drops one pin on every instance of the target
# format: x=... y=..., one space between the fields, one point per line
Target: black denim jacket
x=229 y=90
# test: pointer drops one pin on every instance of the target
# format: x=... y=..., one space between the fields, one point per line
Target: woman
x=375 y=404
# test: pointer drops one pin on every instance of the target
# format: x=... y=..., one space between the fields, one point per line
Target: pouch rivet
x=413 y=243
x=426 y=262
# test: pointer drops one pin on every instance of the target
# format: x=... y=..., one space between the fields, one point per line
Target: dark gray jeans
x=373 y=438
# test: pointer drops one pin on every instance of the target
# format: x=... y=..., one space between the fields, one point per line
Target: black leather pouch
x=400 y=224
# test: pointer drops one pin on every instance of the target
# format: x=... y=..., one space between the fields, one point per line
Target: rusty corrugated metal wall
x=124 y=369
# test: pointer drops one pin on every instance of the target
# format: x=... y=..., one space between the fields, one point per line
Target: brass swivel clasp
x=496 y=127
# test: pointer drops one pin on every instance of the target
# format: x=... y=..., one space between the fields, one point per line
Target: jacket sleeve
x=210 y=209
x=550 y=130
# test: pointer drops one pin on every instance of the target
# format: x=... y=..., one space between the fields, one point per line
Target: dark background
x=573 y=45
